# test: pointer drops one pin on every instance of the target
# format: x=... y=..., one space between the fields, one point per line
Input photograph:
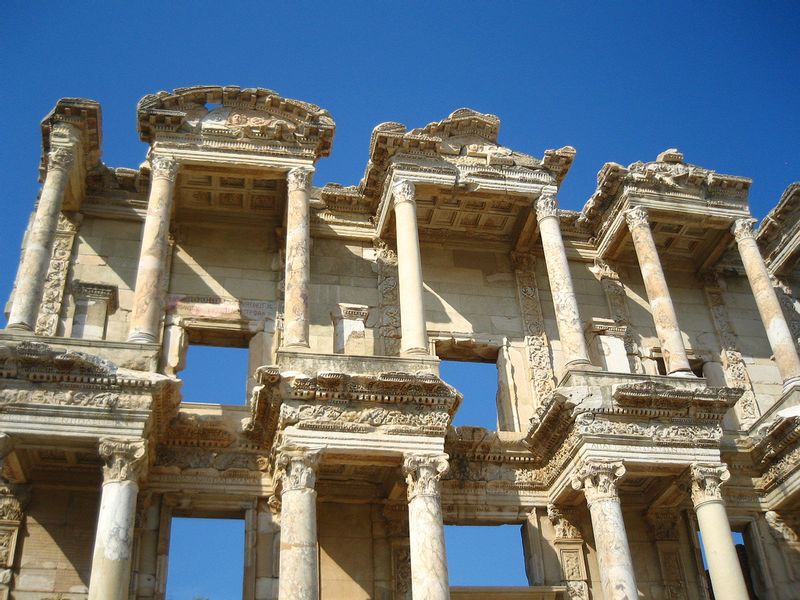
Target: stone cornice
x=779 y=232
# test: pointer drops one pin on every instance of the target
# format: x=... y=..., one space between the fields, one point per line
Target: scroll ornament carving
x=546 y=206
x=637 y=217
x=11 y=506
x=402 y=573
x=780 y=529
x=164 y=167
x=707 y=480
x=577 y=590
x=743 y=229
x=123 y=458
x=423 y=473
x=61 y=158
x=564 y=528
x=47 y=321
x=389 y=304
x=598 y=480
x=297 y=469
x=299 y=178
x=403 y=191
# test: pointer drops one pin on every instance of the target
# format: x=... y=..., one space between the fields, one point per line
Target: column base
x=19 y=327
x=791 y=383
x=683 y=374
x=139 y=337
x=581 y=365
x=414 y=352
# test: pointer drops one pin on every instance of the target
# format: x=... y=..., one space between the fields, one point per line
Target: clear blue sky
x=619 y=81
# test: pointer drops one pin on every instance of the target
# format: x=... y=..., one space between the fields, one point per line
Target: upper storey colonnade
x=257 y=129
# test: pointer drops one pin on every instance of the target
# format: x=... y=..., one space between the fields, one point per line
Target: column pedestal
x=111 y=561
x=664 y=316
x=598 y=480
x=299 y=563
x=570 y=329
x=148 y=299
x=39 y=245
x=429 y=579
x=712 y=519
x=409 y=270
x=780 y=336
x=298 y=266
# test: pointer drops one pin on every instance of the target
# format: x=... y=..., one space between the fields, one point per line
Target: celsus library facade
x=648 y=382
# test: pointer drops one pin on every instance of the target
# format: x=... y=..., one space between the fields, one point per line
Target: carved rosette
x=163 y=167
x=707 y=480
x=637 y=217
x=546 y=206
x=403 y=191
x=299 y=178
x=297 y=469
x=123 y=458
x=423 y=473
x=565 y=530
x=60 y=158
x=598 y=480
x=743 y=229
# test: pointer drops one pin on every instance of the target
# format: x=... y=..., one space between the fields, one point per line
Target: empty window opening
x=501 y=564
x=661 y=365
x=206 y=559
x=696 y=365
x=216 y=375
x=478 y=382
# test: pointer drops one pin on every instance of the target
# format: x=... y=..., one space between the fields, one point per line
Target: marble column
x=598 y=480
x=429 y=578
x=723 y=562
x=779 y=335
x=268 y=533
x=664 y=316
x=148 y=299
x=111 y=561
x=299 y=563
x=570 y=328
x=409 y=270
x=39 y=244
x=298 y=265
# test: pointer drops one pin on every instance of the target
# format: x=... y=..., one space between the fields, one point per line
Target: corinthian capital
x=163 y=167
x=423 y=473
x=61 y=158
x=546 y=206
x=637 y=217
x=598 y=479
x=743 y=228
x=297 y=469
x=403 y=191
x=123 y=458
x=707 y=480
x=299 y=178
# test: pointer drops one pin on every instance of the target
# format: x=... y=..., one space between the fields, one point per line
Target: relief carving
x=55 y=281
x=563 y=526
x=389 y=301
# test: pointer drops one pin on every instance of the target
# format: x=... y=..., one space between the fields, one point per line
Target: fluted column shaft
x=39 y=245
x=570 y=328
x=298 y=265
x=780 y=336
x=655 y=283
x=598 y=480
x=111 y=561
x=712 y=519
x=148 y=298
x=429 y=579
x=409 y=269
x=299 y=564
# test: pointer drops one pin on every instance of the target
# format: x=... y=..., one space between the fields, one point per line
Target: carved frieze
x=364 y=418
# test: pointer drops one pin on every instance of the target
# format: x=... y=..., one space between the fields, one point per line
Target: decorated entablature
x=690 y=210
x=230 y=119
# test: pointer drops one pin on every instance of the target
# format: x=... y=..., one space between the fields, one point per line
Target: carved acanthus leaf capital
x=297 y=469
x=423 y=473
x=163 y=167
x=598 y=479
x=61 y=158
x=123 y=458
x=743 y=229
x=637 y=217
x=403 y=191
x=546 y=206
x=299 y=178
x=707 y=480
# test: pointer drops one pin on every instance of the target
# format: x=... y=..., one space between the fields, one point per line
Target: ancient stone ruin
x=648 y=379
